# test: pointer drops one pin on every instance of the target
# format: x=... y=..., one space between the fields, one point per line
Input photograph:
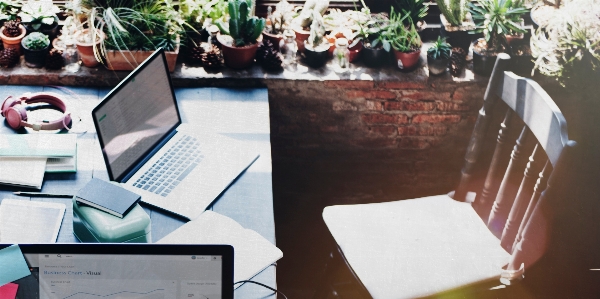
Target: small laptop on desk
x=126 y=271
x=146 y=147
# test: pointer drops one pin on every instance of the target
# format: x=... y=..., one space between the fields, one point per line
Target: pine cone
x=195 y=55
x=9 y=57
x=268 y=57
x=458 y=60
x=212 y=58
x=11 y=28
x=54 y=60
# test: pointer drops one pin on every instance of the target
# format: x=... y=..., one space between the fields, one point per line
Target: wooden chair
x=427 y=246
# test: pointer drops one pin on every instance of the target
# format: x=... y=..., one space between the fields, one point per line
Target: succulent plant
x=317 y=32
x=281 y=18
x=455 y=11
x=307 y=14
x=440 y=49
x=242 y=28
x=36 y=41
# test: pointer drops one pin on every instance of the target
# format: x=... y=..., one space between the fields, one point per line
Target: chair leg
x=324 y=289
x=339 y=280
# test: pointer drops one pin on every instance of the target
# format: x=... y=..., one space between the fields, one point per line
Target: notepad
x=20 y=171
x=253 y=253
x=107 y=197
x=60 y=149
x=25 y=221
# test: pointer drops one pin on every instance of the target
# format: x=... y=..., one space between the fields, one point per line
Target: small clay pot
x=274 y=38
x=237 y=57
x=301 y=36
x=86 y=50
x=407 y=60
x=13 y=42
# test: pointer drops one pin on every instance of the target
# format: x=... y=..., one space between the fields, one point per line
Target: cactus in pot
x=316 y=46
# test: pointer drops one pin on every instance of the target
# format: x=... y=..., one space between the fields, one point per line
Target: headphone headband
x=15 y=112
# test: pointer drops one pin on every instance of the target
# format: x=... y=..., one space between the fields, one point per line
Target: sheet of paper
x=25 y=221
x=9 y=291
x=23 y=171
x=252 y=252
x=13 y=265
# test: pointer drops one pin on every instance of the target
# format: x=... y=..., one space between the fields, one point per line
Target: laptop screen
x=68 y=273
x=136 y=116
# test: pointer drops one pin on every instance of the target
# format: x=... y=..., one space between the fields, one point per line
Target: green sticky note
x=13 y=265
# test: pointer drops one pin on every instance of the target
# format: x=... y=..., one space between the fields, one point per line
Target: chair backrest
x=513 y=187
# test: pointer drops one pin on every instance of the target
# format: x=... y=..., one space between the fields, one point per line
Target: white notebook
x=23 y=171
x=30 y=222
x=252 y=252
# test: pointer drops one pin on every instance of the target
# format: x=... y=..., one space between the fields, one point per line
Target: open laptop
x=146 y=147
x=123 y=271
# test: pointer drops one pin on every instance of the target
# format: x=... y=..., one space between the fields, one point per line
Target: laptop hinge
x=148 y=156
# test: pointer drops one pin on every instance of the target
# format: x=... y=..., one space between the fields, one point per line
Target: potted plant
x=239 y=41
x=438 y=56
x=9 y=10
x=369 y=29
x=456 y=22
x=415 y=9
x=277 y=22
x=132 y=32
x=301 y=23
x=406 y=42
x=35 y=48
x=495 y=19
x=342 y=24
x=316 y=47
x=40 y=16
x=12 y=33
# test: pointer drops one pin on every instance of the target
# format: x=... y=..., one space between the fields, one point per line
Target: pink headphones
x=15 y=112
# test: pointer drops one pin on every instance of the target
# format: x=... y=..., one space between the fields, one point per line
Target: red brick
x=407 y=131
x=350 y=84
x=378 y=118
x=401 y=85
x=419 y=106
x=450 y=106
x=374 y=105
x=422 y=130
x=343 y=106
x=371 y=94
x=425 y=95
x=458 y=96
x=435 y=118
x=414 y=143
x=391 y=106
x=376 y=142
x=384 y=130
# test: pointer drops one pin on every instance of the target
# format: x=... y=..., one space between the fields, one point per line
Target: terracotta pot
x=237 y=57
x=86 y=50
x=273 y=38
x=129 y=60
x=13 y=42
x=407 y=61
x=355 y=51
x=301 y=36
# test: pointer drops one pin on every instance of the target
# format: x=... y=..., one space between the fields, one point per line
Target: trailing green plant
x=316 y=39
x=9 y=10
x=455 y=11
x=415 y=9
x=440 y=49
x=306 y=16
x=243 y=28
x=36 y=13
x=399 y=36
x=568 y=48
x=281 y=18
x=36 y=41
x=496 y=19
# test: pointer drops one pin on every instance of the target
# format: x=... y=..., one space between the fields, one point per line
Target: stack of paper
x=252 y=252
x=24 y=221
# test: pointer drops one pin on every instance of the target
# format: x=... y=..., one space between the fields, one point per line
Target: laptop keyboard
x=172 y=167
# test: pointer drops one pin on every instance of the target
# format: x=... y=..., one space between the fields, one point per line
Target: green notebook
x=60 y=149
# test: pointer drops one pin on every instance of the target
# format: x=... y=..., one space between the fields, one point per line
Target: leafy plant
x=455 y=11
x=243 y=29
x=416 y=9
x=317 y=32
x=203 y=13
x=281 y=18
x=400 y=37
x=496 y=19
x=36 y=13
x=440 y=49
x=569 y=47
x=9 y=9
x=36 y=41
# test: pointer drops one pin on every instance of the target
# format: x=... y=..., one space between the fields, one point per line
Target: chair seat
x=416 y=247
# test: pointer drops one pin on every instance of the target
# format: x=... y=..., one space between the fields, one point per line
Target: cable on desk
x=263 y=285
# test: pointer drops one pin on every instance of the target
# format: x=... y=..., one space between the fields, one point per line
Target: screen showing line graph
x=108 y=289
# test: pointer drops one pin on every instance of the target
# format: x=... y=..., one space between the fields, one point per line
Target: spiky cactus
x=317 y=31
x=455 y=11
x=306 y=16
x=243 y=29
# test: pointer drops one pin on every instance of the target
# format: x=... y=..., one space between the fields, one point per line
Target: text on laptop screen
x=76 y=276
x=136 y=116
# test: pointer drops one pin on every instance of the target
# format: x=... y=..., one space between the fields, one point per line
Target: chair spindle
x=536 y=162
x=510 y=184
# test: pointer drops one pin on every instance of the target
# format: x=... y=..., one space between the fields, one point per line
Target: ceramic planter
x=237 y=57
x=374 y=57
x=275 y=39
x=86 y=50
x=483 y=64
x=35 y=58
x=457 y=36
x=129 y=60
x=50 y=30
x=13 y=42
x=407 y=60
x=316 y=58
x=437 y=66
x=521 y=62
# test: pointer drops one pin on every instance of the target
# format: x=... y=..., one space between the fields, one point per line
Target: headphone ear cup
x=14 y=115
x=9 y=102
